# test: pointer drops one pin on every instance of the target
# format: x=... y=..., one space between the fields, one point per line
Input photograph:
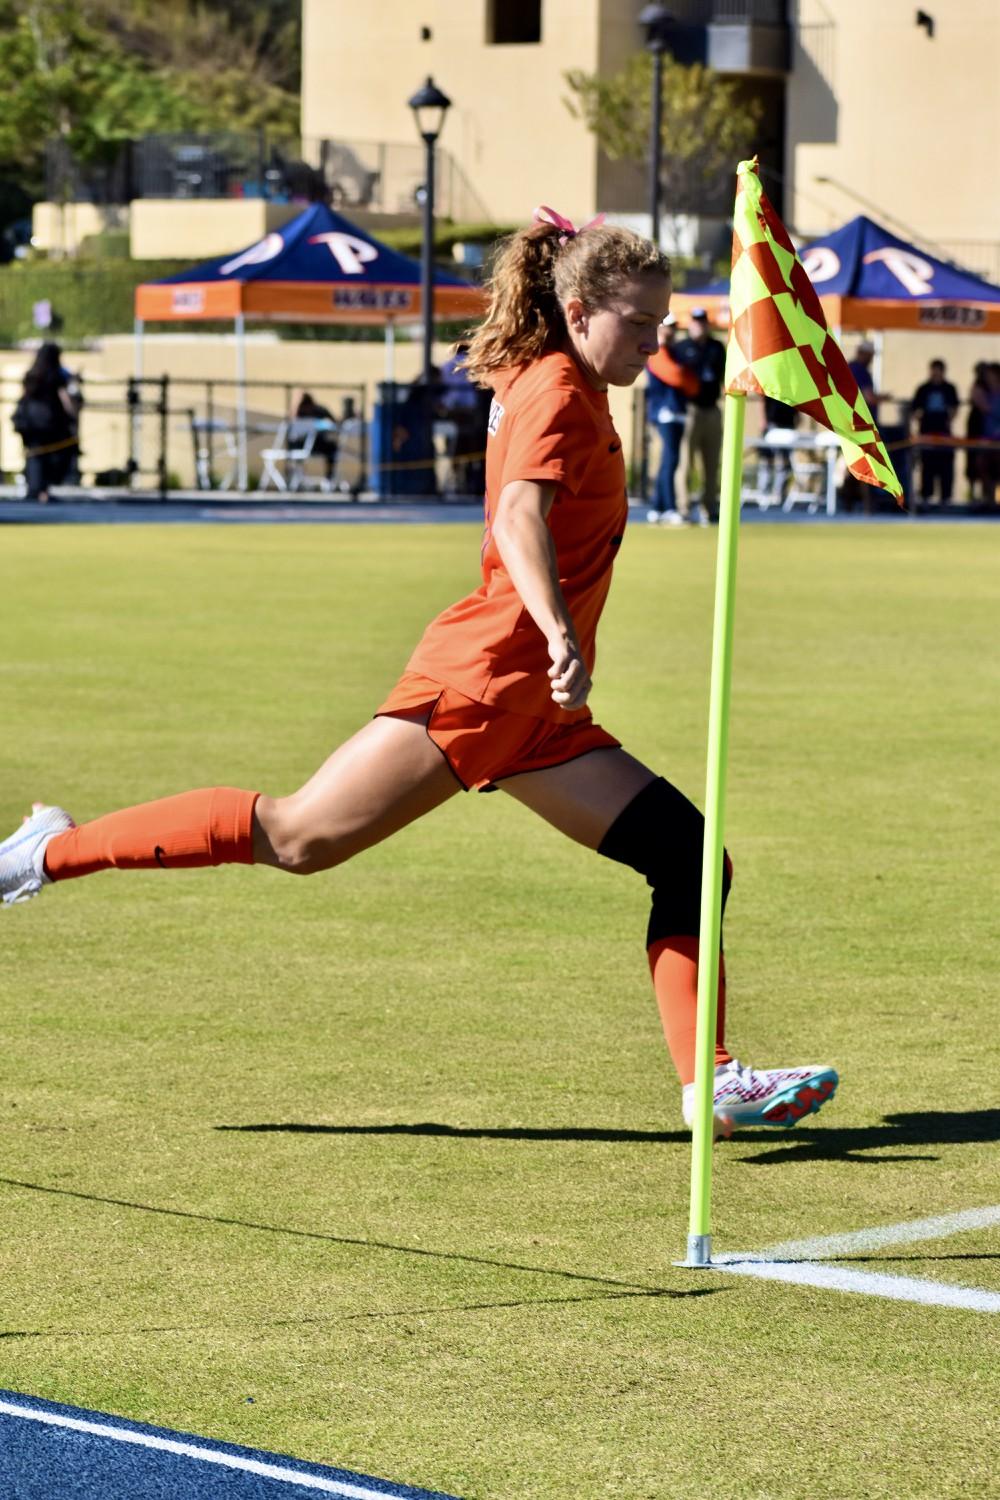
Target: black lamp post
x=656 y=20
x=429 y=107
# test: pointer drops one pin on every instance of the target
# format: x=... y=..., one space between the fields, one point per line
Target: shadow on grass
x=621 y=1288
x=804 y=1143
x=259 y=1325
x=926 y=1128
x=480 y=1133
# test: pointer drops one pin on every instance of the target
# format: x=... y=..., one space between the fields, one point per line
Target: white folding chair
x=273 y=458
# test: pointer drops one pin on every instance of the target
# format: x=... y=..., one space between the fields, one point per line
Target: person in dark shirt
x=463 y=411
x=976 y=466
x=861 y=368
x=325 y=444
x=933 y=407
x=854 y=491
x=706 y=356
x=45 y=419
x=991 y=431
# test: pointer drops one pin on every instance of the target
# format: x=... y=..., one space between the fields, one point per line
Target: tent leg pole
x=135 y=408
x=241 y=403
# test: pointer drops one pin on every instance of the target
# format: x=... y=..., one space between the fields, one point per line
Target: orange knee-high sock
x=213 y=826
x=673 y=963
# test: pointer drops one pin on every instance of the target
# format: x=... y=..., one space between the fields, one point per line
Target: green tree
x=708 y=126
x=93 y=73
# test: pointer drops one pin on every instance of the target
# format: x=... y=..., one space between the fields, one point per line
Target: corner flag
x=779 y=346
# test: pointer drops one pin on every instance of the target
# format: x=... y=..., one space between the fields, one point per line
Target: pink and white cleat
x=765 y=1096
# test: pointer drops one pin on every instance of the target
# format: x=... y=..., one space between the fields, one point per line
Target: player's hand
x=568 y=675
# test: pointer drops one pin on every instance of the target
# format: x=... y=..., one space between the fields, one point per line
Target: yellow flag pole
x=699 y=1244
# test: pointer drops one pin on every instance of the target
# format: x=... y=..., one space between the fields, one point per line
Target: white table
x=793 y=468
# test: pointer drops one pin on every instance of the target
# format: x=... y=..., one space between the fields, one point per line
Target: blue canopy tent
x=318 y=268
x=867 y=277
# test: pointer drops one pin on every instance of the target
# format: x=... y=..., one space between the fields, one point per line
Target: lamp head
x=429 y=107
x=656 y=21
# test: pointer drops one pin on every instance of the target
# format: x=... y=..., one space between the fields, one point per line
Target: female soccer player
x=495 y=694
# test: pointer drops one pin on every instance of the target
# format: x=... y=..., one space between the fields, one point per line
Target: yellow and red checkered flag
x=779 y=344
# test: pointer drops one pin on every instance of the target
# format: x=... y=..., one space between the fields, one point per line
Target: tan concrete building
x=866 y=109
x=509 y=132
x=869 y=110
x=899 y=120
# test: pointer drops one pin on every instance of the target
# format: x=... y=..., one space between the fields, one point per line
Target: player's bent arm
x=524 y=542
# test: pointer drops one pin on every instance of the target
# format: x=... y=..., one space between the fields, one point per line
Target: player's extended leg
x=386 y=776
x=610 y=802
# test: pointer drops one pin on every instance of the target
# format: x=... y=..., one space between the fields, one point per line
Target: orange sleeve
x=551 y=440
x=671 y=372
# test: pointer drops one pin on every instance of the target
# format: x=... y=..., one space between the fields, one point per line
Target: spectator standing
x=854 y=490
x=464 y=412
x=934 y=406
x=976 y=465
x=861 y=368
x=669 y=384
x=74 y=390
x=991 y=431
x=45 y=419
x=706 y=356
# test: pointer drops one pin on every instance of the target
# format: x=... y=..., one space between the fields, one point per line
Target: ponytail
x=524 y=316
x=535 y=273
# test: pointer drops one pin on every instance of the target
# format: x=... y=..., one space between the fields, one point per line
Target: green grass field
x=491 y=1308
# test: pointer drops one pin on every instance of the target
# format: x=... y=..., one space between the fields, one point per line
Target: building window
x=513 y=21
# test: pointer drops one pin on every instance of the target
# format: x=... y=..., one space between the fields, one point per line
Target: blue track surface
x=48 y=1450
x=215 y=507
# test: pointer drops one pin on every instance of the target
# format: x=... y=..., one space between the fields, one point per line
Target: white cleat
x=764 y=1096
x=22 y=856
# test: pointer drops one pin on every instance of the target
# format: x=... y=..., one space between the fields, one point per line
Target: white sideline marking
x=870 y=1284
x=796 y=1261
x=874 y=1239
x=190 y=1450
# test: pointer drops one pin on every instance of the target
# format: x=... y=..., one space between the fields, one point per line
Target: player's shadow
x=479 y=1132
x=897 y=1135
x=804 y=1143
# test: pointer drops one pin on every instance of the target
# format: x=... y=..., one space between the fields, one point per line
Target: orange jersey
x=549 y=425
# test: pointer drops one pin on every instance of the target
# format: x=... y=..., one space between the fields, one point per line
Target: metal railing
x=157 y=434
x=980 y=256
x=377 y=176
x=730 y=12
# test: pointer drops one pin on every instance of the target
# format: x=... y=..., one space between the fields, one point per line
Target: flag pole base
x=699 y=1251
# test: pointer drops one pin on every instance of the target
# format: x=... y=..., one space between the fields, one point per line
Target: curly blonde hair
x=534 y=276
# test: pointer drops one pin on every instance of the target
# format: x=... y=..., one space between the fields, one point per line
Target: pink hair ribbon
x=544 y=215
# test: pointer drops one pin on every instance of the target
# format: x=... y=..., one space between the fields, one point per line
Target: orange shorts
x=482 y=743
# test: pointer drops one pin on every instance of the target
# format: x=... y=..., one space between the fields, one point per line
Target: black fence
x=157 y=435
